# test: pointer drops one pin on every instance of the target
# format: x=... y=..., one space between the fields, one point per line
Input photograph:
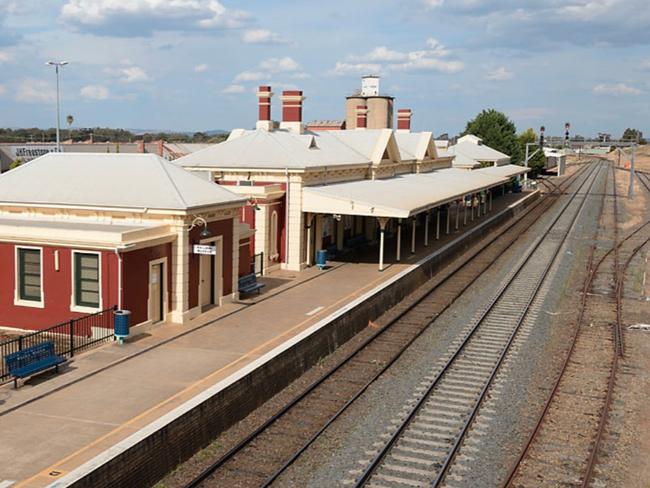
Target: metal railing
x=69 y=337
x=258 y=264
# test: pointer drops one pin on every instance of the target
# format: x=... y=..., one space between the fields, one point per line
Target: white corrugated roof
x=506 y=171
x=416 y=146
x=398 y=197
x=109 y=180
x=472 y=148
x=279 y=149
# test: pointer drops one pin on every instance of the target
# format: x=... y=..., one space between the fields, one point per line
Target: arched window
x=274 y=236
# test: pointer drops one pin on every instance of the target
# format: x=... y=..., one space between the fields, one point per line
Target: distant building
x=469 y=152
x=377 y=107
x=10 y=152
x=319 y=125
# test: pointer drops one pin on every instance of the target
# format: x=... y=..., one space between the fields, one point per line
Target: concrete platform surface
x=55 y=423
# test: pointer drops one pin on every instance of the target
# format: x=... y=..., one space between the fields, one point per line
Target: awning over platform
x=398 y=197
x=506 y=171
x=83 y=234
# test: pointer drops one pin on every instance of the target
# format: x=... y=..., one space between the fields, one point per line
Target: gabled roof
x=472 y=147
x=134 y=181
x=416 y=146
x=280 y=149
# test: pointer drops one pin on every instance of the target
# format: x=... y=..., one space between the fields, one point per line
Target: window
x=86 y=280
x=29 y=275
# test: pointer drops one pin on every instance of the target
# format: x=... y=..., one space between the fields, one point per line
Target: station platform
x=56 y=427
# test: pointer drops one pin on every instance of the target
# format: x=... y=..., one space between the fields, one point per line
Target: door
x=208 y=280
x=157 y=298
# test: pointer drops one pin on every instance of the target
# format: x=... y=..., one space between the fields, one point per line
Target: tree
x=634 y=135
x=538 y=161
x=497 y=131
x=69 y=119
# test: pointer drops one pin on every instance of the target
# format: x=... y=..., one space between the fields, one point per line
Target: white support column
x=382 y=230
x=457 y=213
x=437 y=224
x=484 y=203
x=413 y=226
x=472 y=212
x=464 y=211
x=309 y=219
x=235 y=258
x=295 y=227
x=448 y=217
x=490 y=197
x=426 y=229
x=262 y=233
x=399 y=239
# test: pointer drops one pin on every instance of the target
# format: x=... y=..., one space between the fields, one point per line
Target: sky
x=195 y=64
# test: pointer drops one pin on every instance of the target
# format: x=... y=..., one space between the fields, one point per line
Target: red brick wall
x=57 y=288
x=135 y=279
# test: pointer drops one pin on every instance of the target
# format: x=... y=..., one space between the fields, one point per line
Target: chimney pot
x=404 y=119
x=264 y=95
x=292 y=111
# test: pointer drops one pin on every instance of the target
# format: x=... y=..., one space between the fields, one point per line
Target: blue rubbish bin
x=321 y=259
x=121 y=319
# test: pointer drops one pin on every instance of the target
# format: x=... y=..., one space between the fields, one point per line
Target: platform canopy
x=506 y=171
x=398 y=197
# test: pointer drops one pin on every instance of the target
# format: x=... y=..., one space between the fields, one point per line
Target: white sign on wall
x=29 y=152
x=205 y=250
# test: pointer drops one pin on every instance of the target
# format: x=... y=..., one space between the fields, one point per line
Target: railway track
x=259 y=458
x=422 y=449
x=565 y=445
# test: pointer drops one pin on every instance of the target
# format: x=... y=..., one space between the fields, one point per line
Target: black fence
x=69 y=338
x=258 y=264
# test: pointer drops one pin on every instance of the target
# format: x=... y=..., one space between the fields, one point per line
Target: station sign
x=205 y=250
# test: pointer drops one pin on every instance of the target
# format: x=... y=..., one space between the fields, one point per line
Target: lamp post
x=57 y=65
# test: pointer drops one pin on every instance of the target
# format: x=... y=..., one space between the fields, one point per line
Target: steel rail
x=584 y=296
x=223 y=459
x=370 y=469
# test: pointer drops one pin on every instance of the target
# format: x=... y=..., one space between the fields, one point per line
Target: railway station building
x=81 y=233
x=338 y=189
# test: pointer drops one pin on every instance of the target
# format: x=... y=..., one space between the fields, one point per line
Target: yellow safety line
x=252 y=352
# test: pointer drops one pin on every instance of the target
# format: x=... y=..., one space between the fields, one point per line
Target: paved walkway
x=55 y=423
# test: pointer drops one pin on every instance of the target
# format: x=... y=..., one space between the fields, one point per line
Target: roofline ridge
x=341 y=141
x=162 y=164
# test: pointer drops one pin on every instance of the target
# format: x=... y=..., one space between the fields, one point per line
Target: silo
x=380 y=112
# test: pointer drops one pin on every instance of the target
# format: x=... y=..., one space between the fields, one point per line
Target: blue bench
x=32 y=360
x=249 y=284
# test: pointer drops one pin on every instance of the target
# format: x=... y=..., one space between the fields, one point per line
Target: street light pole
x=630 y=190
x=57 y=65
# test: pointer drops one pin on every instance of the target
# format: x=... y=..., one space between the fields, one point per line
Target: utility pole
x=630 y=190
x=57 y=65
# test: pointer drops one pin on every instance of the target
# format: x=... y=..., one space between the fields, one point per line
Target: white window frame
x=73 y=292
x=17 y=300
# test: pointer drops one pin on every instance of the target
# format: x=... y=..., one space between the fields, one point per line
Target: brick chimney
x=404 y=119
x=264 y=95
x=362 y=116
x=292 y=111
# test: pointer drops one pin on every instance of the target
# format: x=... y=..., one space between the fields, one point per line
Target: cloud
x=35 y=91
x=278 y=65
x=94 y=92
x=262 y=36
x=500 y=74
x=250 y=76
x=233 y=89
x=301 y=76
x=128 y=74
x=5 y=56
x=200 y=68
x=3 y=90
x=383 y=59
x=547 y=23
x=616 y=89
x=141 y=18
x=528 y=113
x=342 y=69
